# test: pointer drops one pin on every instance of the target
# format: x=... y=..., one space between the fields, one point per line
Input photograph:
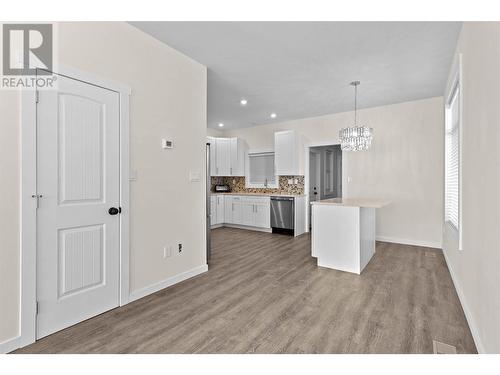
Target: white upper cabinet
x=286 y=153
x=228 y=157
x=223 y=157
x=213 y=156
x=237 y=157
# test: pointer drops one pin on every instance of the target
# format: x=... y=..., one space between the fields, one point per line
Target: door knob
x=114 y=210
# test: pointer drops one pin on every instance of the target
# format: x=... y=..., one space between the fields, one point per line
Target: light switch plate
x=194 y=176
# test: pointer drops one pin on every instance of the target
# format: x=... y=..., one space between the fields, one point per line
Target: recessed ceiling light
x=221 y=124
x=273 y=115
x=243 y=102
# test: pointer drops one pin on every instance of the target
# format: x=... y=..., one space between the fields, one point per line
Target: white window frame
x=247 y=172
x=453 y=87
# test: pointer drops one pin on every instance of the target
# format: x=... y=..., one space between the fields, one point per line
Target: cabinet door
x=234 y=156
x=220 y=209
x=213 y=210
x=223 y=156
x=213 y=156
x=262 y=215
x=237 y=211
x=228 y=209
x=286 y=153
x=247 y=214
x=237 y=151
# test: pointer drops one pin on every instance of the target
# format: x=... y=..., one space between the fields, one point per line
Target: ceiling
x=303 y=69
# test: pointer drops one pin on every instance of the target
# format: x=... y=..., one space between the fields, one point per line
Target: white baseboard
x=436 y=245
x=467 y=312
x=135 y=295
x=10 y=345
x=257 y=229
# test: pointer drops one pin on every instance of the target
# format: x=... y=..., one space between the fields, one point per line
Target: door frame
x=306 y=173
x=28 y=225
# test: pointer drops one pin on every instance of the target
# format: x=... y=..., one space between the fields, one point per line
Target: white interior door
x=314 y=176
x=78 y=177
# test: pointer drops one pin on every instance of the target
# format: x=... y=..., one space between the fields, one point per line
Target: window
x=452 y=155
x=260 y=171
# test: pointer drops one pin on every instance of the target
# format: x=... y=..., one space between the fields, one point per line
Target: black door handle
x=114 y=210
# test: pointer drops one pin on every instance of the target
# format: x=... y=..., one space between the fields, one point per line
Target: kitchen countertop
x=353 y=202
x=260 y=194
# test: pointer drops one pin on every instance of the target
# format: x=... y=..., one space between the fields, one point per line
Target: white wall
x=168 y=100
x=405 y=164
x=476 y=269
x=9 y=215
x=214 y=132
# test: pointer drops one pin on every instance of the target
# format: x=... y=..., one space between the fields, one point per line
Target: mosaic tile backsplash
x=237 y=185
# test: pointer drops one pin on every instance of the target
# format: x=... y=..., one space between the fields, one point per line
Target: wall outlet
x=180 y=248
x=290 y=181
x=167 y=252
x=296 y=181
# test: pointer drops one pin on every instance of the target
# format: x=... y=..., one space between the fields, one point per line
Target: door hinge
x=37 y=96
x=37 y=197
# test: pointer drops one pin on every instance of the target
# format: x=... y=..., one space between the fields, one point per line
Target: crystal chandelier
x=355 y=138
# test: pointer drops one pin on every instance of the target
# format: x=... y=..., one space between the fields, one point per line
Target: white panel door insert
x=78 y=259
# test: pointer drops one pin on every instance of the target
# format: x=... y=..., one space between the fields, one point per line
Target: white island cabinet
x=343 y=232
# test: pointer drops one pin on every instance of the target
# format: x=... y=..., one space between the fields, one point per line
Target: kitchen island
x=343 y=232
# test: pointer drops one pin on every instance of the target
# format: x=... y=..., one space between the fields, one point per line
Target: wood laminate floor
x=265 y=294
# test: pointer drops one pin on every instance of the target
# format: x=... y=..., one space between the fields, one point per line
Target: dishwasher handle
x=282 y=198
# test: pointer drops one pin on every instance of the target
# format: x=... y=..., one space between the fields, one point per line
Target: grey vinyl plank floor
x=264 y=293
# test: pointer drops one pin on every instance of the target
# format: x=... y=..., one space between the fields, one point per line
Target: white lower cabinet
x=217 y=211
x=247 y=214
x=248 y=211
x=220 y=209
x=262 y=215
x=228 y=209
x=237 y=211
x=213 y=210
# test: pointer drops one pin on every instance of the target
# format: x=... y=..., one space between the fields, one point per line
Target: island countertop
x=353 y=202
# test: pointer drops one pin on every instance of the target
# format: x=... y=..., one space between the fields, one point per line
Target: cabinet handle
x=231 y=169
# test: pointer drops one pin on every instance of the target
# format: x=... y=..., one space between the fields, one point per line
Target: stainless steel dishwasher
x=282 y=214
